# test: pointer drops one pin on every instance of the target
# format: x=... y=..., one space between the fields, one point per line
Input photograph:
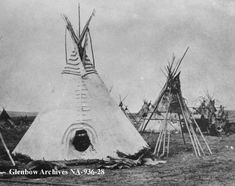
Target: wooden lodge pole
x=159 y=142
x=156 y=146
x=195 y=140
x=168 y=143
x=182 y=133
x=7 y=150
x=164 y=132
x=186 y=122
x=199 y=144
x=208 y=147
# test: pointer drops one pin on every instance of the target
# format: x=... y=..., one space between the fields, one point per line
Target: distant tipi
x=84 y=122
x=5 y=118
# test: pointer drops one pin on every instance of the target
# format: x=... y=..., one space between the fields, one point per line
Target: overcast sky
x=132 y=40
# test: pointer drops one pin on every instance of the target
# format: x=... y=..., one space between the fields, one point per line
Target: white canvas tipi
x=82 y=121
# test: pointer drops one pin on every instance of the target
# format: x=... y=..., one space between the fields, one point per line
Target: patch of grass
x=176 y=142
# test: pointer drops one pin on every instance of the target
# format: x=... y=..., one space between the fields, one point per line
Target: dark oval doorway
x=81 y=140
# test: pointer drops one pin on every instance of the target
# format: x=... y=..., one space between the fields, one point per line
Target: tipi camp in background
x=82 y=121
x=170 y=111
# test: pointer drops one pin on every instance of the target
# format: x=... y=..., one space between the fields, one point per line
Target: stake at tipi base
x=171 y=103
x=7 y=150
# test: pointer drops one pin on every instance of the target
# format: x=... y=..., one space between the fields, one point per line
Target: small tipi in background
x=5 y=119
x=82 y=121
x=170 y=112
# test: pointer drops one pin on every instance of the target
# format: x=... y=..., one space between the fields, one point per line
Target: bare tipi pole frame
x=172 y=87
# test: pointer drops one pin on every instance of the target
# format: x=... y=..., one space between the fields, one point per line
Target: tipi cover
x=81 y=121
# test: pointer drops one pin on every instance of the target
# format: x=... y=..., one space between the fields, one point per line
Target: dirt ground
x=182 y=167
